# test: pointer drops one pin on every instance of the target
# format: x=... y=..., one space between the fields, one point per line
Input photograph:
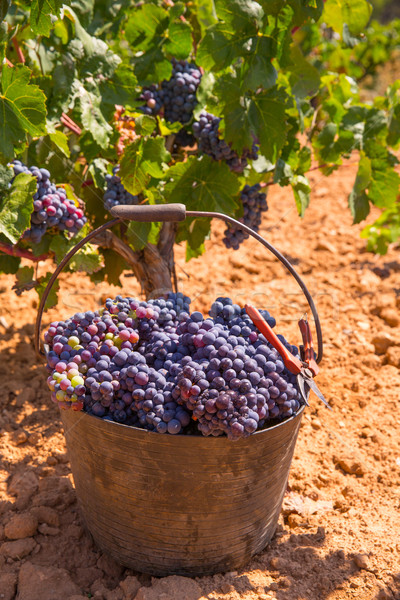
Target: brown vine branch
x=148 y=265
x=19 y=252
x=18 y=50
x=87 y=182
x=70 y=124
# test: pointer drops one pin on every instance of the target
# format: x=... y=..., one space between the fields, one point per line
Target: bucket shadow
x=297 y=570
x=391 y=591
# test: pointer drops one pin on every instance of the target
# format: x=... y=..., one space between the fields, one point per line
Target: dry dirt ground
x=339 y=532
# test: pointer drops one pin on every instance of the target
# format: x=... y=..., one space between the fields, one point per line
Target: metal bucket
x=178 y=504
x=184 y=505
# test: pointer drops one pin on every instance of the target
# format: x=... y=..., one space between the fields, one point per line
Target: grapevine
x=171 y=104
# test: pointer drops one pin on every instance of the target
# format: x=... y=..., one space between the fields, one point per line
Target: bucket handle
x=172 y=212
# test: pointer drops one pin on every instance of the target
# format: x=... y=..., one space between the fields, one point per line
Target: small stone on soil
x=21 y=526
x=361 y=560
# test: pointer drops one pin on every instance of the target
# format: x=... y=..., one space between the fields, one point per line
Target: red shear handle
x=309 y=354
x=293 y=364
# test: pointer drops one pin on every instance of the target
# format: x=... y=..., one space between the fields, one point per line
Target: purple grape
x=209 y=142
x=219 y=370
x=51 y=207
x=254 y=204
x=116 y=194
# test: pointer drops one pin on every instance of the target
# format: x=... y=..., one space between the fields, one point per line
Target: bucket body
x=184 y=505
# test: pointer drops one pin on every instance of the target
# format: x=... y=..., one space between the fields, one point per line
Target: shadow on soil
x=299 y=573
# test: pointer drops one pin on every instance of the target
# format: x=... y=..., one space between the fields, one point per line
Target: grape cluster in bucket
x=158 y=366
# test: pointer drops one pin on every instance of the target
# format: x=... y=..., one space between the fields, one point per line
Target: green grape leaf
x=235 y=113
x=98 y=169
x=43 y=246
x=4 y=6
x=114 y=266
x=154 y=233
x=52 y=298
x=302 y=9
x=220 y=47
x=384 y=187
x=17 y=206
x=142 y=160
x=91 y=115
x=239 y=13
x=258 y=69
x=325 y=144
x=364 y=173
x=9 y=264
x=4 y=35
x=355 y=14
x=146 y=26
x=303 y=159
x=63 y=79
x=384 y=231
x=197 y=231
x=6 y=175
x=41 y=12
x=120 y=88
x=205 y=14
x=166 y=128
x=179 y=41
x=304 y=78
x=358 y=199
x=283 y=173
x=359 y=206
x=348 y=39
x=268 y=120
x=145 y=125
x=393 y=138
x=24 y=278
x=22 y=109
x=225 y=41
x=203 y=184
x=61 y=141
x=301 y=190
x=155 y=156
x=147 y=31
x=60 y=245
x=87 y=260
x=138 y=234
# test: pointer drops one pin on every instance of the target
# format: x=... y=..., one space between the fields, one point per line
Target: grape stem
x=19 y=252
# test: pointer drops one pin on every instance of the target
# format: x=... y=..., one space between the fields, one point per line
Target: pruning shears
x=306 y=368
